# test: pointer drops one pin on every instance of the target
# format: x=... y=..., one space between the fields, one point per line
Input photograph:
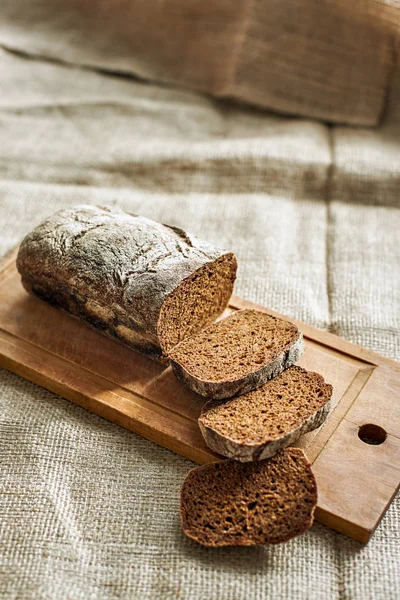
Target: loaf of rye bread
x=230 y=503
x=149 y=285
x=237 y=354
x=257 y=425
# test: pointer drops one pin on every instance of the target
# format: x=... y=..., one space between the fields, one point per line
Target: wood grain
x=356 y=480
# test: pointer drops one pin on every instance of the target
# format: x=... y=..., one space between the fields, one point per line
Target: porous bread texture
x=145 y=283
x=257 y=425
x=230 y=503
x=196 y=302
x=237 y=354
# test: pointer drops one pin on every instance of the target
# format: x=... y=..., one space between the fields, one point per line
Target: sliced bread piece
x=259 y=424
x=237 y=354
x=246 y=504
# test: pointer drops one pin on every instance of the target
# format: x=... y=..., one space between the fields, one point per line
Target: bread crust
x=113 y=270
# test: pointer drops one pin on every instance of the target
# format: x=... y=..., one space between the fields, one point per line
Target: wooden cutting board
x=356 y=454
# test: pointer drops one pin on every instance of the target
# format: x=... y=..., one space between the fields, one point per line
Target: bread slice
x=259 y=424
x=237 y=354
x=246 y=504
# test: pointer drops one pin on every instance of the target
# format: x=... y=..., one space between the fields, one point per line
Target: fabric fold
x=315 y=58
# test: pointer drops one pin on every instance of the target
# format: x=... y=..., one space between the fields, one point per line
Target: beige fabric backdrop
x=89 y=510
x=325 y=59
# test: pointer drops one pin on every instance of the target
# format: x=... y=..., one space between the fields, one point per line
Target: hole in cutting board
x=372 y=434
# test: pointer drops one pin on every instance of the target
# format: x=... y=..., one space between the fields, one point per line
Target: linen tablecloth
x=91 y=511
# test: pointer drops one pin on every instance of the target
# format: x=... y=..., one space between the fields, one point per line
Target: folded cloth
x=315 y=58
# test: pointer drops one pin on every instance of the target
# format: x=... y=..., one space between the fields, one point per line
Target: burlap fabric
x=91 y=511
x=324 y=59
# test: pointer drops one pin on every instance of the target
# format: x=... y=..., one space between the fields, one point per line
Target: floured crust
x=116 y=271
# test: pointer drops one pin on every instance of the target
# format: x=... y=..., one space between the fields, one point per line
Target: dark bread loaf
x=259 y=424
x=237 y=354
x=147 y=284
x=230 y=503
